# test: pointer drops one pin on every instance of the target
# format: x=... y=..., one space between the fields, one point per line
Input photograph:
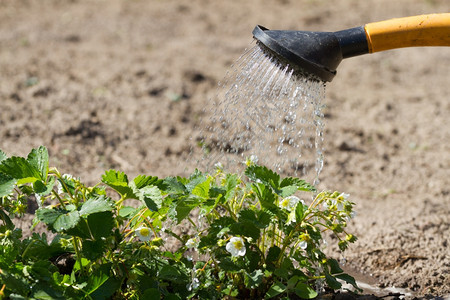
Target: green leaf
x=119 y=182
x=299 y=211
x=38 y=158
x=202 y=189
x=66 y=221
x=101 y=224
x=266 y=198
x=231 y=183
x=6 y=220
x=101 y=285
x=276 y=289
x=42 y=188
x=48 y=215
x=332 y=282
x=95 y=205
x=144 y=180
x=184 y=207
x=127 y=211
x=93 y=250
x=334 y=266
x=20 y=169
x=7 y=184
x=299 y=184
x=170 y=273
x=349 y=279
x=3 y=156
x=305 y=291
x=151 y=293
x=254 y=279
x=264 y=175
x=245 y=228
x=174 y=186
x=273 y=254
x=151 y=195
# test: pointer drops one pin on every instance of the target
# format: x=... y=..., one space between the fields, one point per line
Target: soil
x=121 y=84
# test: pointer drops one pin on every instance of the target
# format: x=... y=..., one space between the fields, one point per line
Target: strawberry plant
x=250 y=235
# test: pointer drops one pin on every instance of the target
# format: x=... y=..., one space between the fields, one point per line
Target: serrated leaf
x=174 y=186
x=299 y=184
x=7 y=184
x=264 y=175
x=151 y=195
x=38 y=158
x=276 y=289
x=144 y=180
x=184 y=207
x=95 y=205
x=48 y=215
x=196 y=178
x=304 y=291
x=3 y=156
x=66 y=221
x=266 y=198
x=231 y=183
x=20 y=169
x=119 y=182
x=202 y=188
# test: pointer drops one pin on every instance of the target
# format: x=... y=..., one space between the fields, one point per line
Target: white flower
x=194 y=285
x=343 y=197
x=143 y=233
x=291 y=218
x=290 y=202
x=252 y=160
x=218 y=166
x=236 y=246
x=351 y=215
x=192 y=243
x=303 y=245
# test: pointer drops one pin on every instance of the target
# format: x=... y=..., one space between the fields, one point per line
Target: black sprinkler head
x=314 y=53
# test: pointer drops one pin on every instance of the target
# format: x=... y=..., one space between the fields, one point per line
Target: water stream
x=265 y=110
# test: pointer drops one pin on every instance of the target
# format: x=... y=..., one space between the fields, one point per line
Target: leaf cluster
x=96 y=251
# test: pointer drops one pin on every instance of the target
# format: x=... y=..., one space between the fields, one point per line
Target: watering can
x=319 y=53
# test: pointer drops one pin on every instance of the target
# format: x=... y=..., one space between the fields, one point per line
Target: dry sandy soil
x=121 y=84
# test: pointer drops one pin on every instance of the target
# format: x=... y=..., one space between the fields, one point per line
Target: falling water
x=264 y=108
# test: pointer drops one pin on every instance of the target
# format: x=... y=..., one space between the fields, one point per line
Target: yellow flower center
x=238 y=245
x=285 y=203
x=144 y=231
